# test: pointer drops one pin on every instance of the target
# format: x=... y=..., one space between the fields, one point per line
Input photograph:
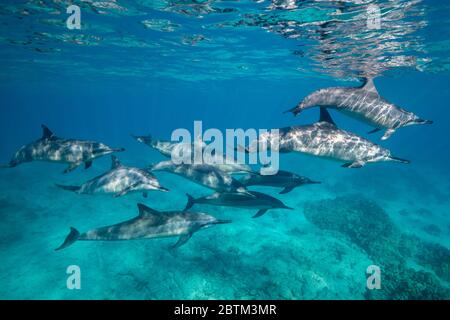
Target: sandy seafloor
x=281 y=255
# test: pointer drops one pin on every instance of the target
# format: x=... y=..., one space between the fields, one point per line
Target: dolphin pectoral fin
x=387 y=134
x=374 y=130
x=353 y=165
x=71 y=167
x=260 y=213
x=287 y=189
x=87 y=164
x=126 y=190
x=182 y=240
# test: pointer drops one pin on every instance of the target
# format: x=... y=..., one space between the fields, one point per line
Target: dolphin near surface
x=51 y=148
x=119 y=180
x=282 y=179
x=324 y=139
x=149 y=224
x=253 y=200
x=363 y=103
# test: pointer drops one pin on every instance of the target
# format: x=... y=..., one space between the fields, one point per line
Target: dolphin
x=169 y=148
x=325 y=139
x=120 y=180
x=53 y=149
x=204 y=174
x=363 y=103
x=257 y=200
x=283 y=179
x=149 y=224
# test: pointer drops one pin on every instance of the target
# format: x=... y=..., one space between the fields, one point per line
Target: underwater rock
x=367 y=225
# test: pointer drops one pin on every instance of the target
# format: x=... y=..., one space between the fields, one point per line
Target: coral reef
x=367 y=225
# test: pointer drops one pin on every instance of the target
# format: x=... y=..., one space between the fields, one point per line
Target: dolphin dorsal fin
x=325 y=116
x=46 y=132
x=369 y=86
x=145 y=211
x=115 y=163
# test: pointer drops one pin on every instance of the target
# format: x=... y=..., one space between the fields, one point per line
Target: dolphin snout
x=163 y=189
x=117 y=149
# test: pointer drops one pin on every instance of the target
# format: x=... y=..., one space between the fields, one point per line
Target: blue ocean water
x=150 y=67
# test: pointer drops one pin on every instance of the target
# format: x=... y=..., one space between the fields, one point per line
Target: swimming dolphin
x=283 y=179
x=363 y=103
x=120 y=180
x=149 y=224
x=168 y=148
x=325 y=139
x=53 y=149
x=206 y=175
x=257 y=200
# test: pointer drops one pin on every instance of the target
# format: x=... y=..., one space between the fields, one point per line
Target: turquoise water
x=150 y=67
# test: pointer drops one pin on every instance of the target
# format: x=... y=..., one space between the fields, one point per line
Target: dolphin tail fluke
x=190 y=203
x=295 y=111
x=70 y=239
x=399 y=160
x=68 y=188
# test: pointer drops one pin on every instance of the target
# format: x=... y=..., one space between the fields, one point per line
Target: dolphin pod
x=51 y=148
x=321 y=139
x=363 y=103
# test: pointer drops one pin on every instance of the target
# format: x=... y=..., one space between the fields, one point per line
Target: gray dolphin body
x=363 y=103
x=206 y=175
x=120 y=180
x=282 y=179
x=149 y=224
x=325 y=139
x=252 y=200
x=53 y=149
x=168 y=148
